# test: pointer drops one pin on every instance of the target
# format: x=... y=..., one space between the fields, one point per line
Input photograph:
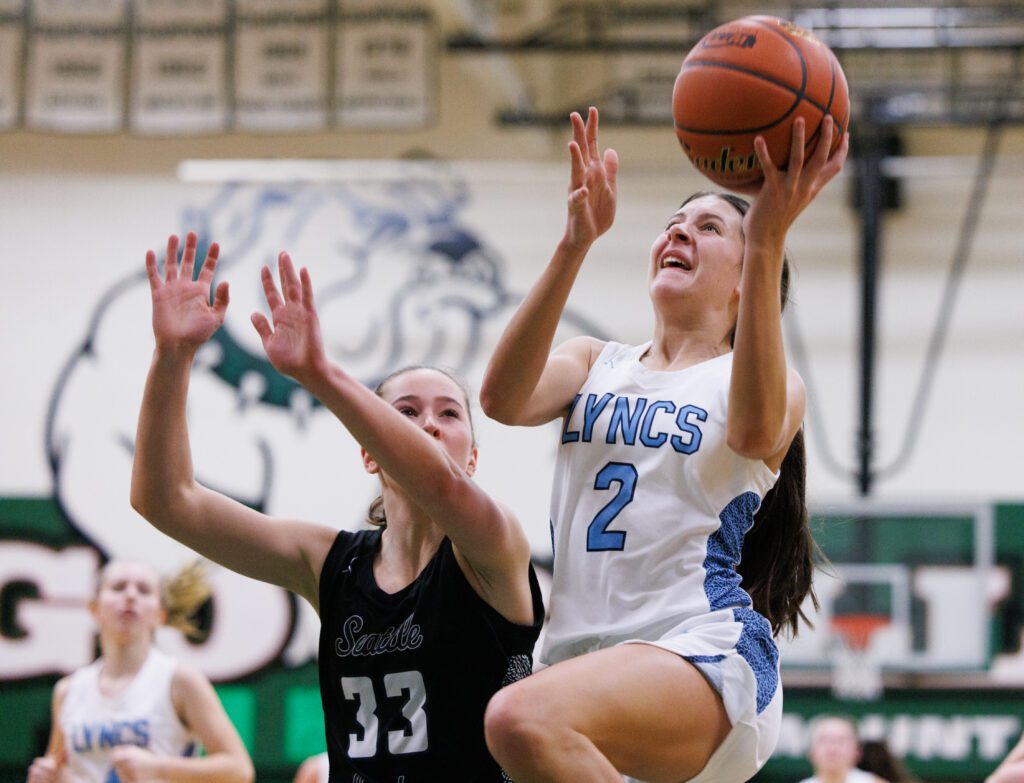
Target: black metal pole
x=871 y=208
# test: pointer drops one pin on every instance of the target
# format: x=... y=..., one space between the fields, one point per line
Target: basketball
x=749 y=77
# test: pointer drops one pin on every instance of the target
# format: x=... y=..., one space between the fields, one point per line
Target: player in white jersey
x=135 y=714
x=663 y=666
x=835 y=752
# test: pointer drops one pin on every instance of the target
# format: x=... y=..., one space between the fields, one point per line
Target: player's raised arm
x=766 y=398
x=421 y=440
x=164 y=489
x=526 y=383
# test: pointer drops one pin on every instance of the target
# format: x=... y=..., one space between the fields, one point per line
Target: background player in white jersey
x=835 y=751
x=135 y=714
x=667 y=451
x=422 y=619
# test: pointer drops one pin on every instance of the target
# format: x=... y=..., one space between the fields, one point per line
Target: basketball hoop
x=856 y=672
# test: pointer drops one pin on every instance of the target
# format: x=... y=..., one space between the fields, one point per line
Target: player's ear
x=471 y=465
x=369 y=464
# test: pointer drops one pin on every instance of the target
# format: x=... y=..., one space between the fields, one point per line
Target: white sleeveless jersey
x=142 y=714
x=855 y=775
x=649 y=509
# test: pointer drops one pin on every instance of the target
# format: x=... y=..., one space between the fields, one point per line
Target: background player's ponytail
x=779 y=551
x=182 y=596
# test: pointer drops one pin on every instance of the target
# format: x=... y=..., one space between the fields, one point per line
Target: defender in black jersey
x=422 y=620
x=405 y=677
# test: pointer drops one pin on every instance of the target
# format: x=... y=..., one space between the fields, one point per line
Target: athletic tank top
x=142 y=714
x=649 y=508
x=855 y=775
x=405 y=677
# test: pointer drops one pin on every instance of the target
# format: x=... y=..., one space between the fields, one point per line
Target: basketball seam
x=793 y=46
x=741 y=69
x=800 y=96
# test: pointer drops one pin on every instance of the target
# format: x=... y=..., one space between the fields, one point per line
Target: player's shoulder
x=63 y=685
x=188 y=678
x=582 y=348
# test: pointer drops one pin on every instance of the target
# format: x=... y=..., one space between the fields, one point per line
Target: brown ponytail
x=779 y=551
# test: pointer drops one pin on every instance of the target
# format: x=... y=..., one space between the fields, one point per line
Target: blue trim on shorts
x=722 y=586
x=757 y=647
x=704 y=658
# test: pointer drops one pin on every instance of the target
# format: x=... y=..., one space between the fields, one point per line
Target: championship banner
x=179 y=67
x=10 y=71
x=387 y=64
x=75 y=81
x=280 y=65
x=181 y=13
x=78 y=14
x=76 y=56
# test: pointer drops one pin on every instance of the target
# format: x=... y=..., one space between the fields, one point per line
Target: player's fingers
x=838 y=158
x=221 y=297
x=171 y=259
x=825 y=135
x=151 y=274
x=611 y=167
x=307 y=289
x=577 y=167
x=210 y=264
x=188 y=258
x=764 y=158
x=579 y=134
x=577 y=199
x=592 y=150
x=262 y=326
x=270 y=289
x=796 y=146
x=289 y=280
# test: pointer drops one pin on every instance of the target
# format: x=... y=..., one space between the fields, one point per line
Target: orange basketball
x=749 y=77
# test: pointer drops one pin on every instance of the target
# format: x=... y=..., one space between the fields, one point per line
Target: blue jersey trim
x=725 y=547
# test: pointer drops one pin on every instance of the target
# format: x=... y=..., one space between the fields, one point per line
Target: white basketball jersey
x=855 y=775
x=649 y=507
x=142 y=714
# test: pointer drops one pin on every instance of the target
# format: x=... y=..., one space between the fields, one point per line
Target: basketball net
x=856 y=672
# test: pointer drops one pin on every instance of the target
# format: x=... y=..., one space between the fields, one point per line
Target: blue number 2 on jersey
x=599 y=537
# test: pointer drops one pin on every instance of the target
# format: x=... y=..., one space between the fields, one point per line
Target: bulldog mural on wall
x=400 y=280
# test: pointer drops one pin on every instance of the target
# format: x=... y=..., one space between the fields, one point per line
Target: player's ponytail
x=778 y=551
x=182 y=596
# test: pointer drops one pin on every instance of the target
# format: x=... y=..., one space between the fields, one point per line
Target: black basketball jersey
x=405 y=677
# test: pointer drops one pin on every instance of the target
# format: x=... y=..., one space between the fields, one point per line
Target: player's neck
x=123 y=660
x=833 y=776
x=675 y=347
x=409 y=542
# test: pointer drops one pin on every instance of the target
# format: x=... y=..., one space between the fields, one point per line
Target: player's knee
x=511 y=727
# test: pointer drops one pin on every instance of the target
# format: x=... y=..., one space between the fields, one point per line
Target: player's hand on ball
x=294 y=344
x=183 y=317
x=783 y=195
x=592 y=183
x=134 y=764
